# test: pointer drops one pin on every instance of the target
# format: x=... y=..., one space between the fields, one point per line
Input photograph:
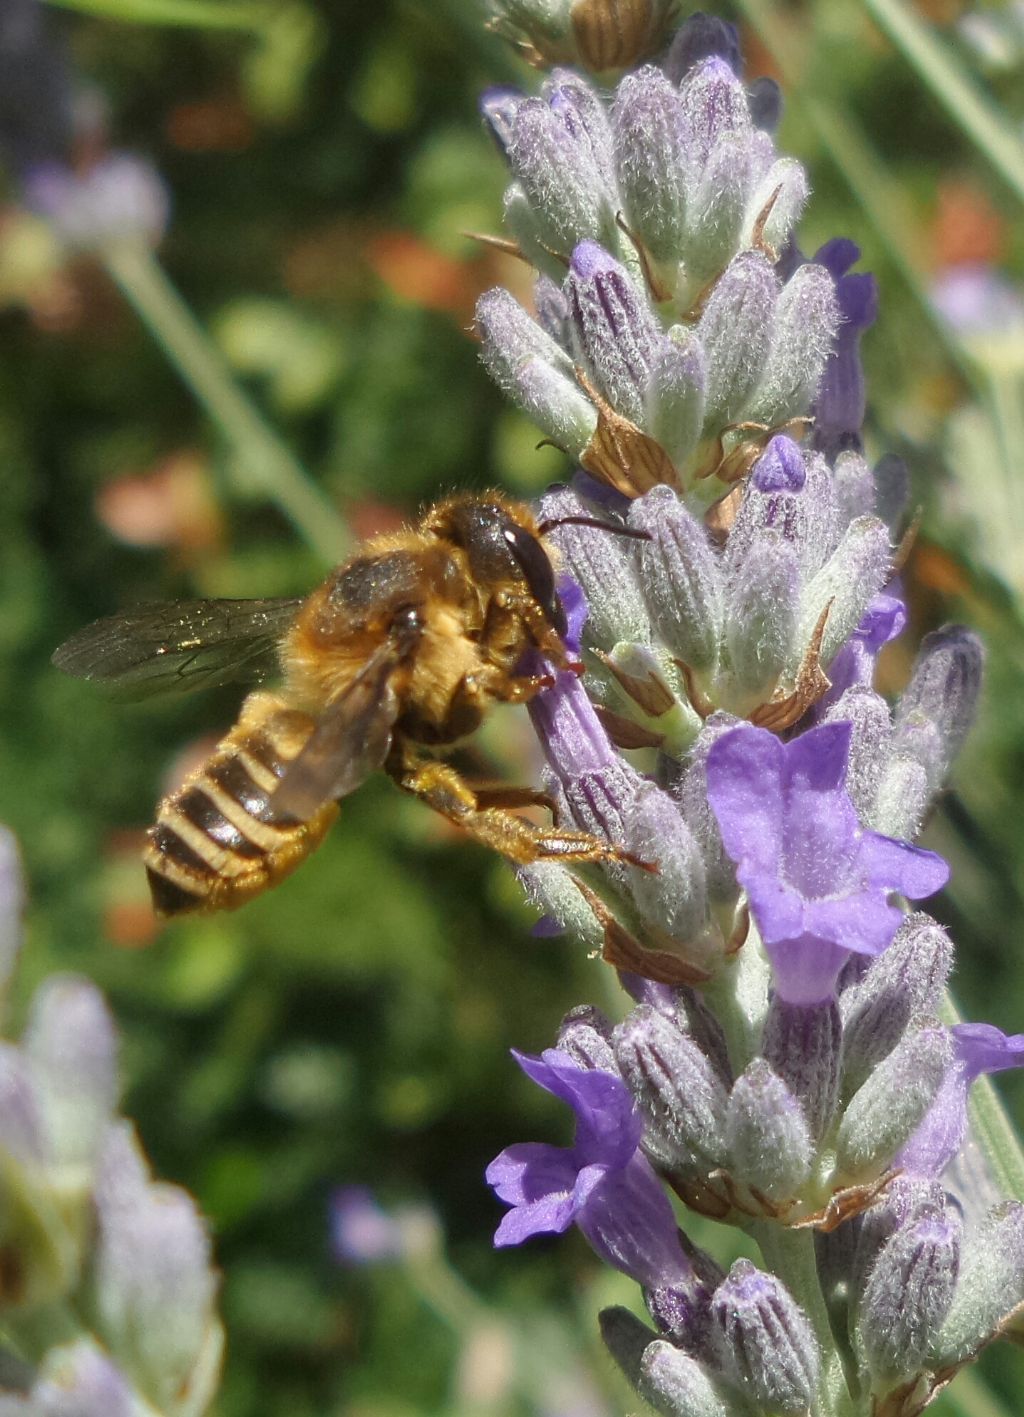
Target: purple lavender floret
x=818 y=883
x=841 y=402
x=602 y=1183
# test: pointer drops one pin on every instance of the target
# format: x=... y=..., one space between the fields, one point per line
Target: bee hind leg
x=441 y=787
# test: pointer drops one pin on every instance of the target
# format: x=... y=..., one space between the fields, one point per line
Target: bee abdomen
x=215 y=842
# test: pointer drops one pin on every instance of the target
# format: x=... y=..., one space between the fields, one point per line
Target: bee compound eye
x=533 y=562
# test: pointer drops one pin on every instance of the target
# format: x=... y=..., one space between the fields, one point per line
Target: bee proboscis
x=398 y=654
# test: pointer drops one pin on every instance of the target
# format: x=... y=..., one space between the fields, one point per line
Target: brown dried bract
x=621 y=454
x=625 y=732
x=623 y=951
x=812 y=683
x=616 y=34
x=699 y=701
x=649 y=693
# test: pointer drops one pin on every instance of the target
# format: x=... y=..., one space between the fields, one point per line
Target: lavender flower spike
x=602 y=1183
x=818 y=883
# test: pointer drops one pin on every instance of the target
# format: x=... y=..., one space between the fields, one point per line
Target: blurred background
x=322 y=163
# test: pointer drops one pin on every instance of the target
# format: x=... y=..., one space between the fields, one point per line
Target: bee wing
x=180 y=645
x=350 y=741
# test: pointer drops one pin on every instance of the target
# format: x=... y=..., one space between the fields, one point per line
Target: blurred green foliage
x=325 y=162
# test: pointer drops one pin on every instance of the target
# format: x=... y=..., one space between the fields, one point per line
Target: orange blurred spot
x=937 y=570
x=416 y=272
x=214 y=126
x=170 y=505
x=131 y=925
x=370 y=518
x=967 y=227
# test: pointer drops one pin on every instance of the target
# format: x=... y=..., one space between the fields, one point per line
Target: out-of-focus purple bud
x=534 y=371
x=674 y=396
x=991 y=1284
x=552 y=311
x=585 y=1034
x=870 y=738
x=902 y=986
x=762 y=600
x=892 y=490
x=803 y=1045
x=362 y=1232
x=839 y=410
x=944 y=689
x=715 y=107
x=855 y=486
x=36 y=102
x=765 y=99
x=154 y=1287
x=12 y=904
x=674 y=901
x=71 y=1049
x=605 y=567
x=676 y=1089
x=770 y=1145
x=650 y=150
x=614 y=329
x=702 y=37
x=735 y=333
x=625 y=1336
x=909 y=1293
x=79 y=1380
x=885 y=1111
x=763 y=1340
x=803 y=333
x=119 y=199
x=846 y=585
x=680 y=576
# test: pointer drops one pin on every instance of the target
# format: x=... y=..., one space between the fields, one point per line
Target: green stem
x=991 y=131
x=266 y=458
x=244 y=15
x=789 y=1254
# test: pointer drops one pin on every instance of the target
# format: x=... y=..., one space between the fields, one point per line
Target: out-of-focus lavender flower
x=602 y=1183
x=362 y=1232
x=978 y=300
x=119 y=198
x=817 y=882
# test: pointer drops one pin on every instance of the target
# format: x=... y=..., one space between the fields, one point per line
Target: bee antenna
x=552 y=522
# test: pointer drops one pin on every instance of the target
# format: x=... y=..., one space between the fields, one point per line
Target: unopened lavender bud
x=80 y=1380
x=526 y=227
x=552 y=310
x=650 y=151
x=625 y=1336
x=763 y=1341
x=552 y=889
x=770 y=1146
x=674 y=900
x=615 y=331
x=718 y=204
x=855 y=486
x=803 y=1045
x=714 y=106
x=678 y=1091
x=763 y=599
x=585 y=1034
x=945 y=687
x=887 y=1109
x=904 y=1201
x=702 y=37
x=534 y=371
x=154 y=1287
x=677 y=1385
x=908 y=1294
x=903 y=985
x=695 y=1018
x=991 y=1284
x=846 y=585
x=498 y=107
x=803 y=333
x=735 y=333
x=559 y=177
x=680 y=577
x=605 y=567
x=892 y=490
x=674 y=395
x=72 y=1051
x=870 y=740
x=777 y=201
x=907 y=783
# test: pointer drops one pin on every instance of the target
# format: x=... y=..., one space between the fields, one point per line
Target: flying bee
x=395 y=657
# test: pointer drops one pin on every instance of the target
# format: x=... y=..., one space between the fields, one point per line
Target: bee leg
x=441 y=787
x=488 y=798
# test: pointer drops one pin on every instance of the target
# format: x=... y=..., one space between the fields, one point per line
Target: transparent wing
x=178 y=646
x=351 y=740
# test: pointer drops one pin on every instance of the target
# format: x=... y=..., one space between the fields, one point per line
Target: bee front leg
x=441 y=787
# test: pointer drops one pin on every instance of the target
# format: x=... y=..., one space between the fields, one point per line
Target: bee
x=397 y=656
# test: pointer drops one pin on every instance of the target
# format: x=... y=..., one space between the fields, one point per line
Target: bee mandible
x=397 y=656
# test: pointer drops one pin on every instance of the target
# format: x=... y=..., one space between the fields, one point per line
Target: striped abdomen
x=214 y=844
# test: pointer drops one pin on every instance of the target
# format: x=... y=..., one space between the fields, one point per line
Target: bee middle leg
x=441 y=787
